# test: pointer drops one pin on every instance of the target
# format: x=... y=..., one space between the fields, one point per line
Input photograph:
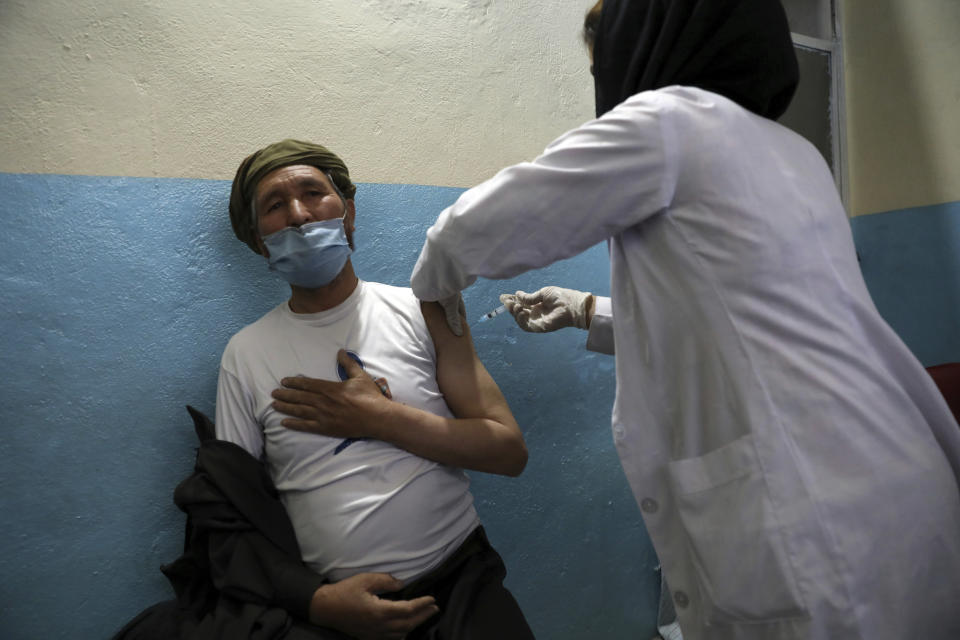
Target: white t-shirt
x=355 y=505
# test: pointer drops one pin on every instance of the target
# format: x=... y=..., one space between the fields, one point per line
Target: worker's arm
x=483 y=435
x=589 y=185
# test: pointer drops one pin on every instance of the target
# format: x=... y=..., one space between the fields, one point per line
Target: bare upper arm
x=469 y=389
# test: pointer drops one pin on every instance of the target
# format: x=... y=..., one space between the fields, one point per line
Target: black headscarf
x=740 y=49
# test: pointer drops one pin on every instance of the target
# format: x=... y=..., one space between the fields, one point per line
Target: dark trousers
x=468 y=588
x=474 y=604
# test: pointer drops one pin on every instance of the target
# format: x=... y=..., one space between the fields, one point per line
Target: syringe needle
x=493 y=314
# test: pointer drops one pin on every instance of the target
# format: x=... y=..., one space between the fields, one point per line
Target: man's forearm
x=481 y=444
x=486 y=438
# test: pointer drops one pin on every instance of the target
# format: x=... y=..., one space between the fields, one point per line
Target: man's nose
x=298 y=213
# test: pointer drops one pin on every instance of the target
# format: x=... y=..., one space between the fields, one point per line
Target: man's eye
x=274 y=206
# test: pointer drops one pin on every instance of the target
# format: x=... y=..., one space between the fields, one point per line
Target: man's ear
x=262 y=247
x=349 y=215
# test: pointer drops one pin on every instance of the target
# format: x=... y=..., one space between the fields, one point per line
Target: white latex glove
x=549 y=309
x=454 y=310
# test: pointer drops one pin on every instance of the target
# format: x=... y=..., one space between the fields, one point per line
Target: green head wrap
x=279 y=154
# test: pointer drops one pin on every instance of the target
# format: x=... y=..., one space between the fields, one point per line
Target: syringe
x=493 y=314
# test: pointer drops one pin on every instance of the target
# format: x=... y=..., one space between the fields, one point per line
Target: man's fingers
x=377 y=583
x=304 y=383
x=381 y=583
x=416 y=606
x=384 y=387
x=351 y=366
x=293 y=396
x=294 y=410
x=428 y=613
x=408 y=614
x=389 y=618
x=401 y=617
x=422 y=609
x=298 y=404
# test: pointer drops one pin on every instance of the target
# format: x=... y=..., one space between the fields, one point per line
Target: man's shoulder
x=390 y=294
x=252 y=334
x=398 y=303
x=387 y=289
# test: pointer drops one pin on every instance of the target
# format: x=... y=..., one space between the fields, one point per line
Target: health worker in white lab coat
x=796 y=468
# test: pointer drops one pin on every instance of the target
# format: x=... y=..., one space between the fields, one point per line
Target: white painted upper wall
x=902 y=76
x=440 y=92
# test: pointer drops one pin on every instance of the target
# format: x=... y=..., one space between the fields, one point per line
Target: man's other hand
x=349 y=409
x=354 y=607
x=550 y=308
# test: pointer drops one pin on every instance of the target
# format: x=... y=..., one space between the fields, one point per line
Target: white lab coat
x=796 y=468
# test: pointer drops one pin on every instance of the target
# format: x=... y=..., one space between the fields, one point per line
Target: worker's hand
x=354 y=607
x=348 y=409
x=550 y=308
x=455 y=313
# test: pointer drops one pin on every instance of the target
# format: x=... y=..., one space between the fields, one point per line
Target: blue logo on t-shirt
x=342 y=374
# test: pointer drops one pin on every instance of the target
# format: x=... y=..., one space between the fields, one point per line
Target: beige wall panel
x=413 y=91
x=902 y=70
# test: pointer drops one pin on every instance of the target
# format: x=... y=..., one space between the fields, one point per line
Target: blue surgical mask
x=309 y=256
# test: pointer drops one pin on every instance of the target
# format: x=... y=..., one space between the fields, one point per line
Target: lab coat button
x=618 y=433
x=681 y=599
x=649 y=505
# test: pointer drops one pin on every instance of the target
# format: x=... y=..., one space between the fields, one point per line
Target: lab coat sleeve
x=588 y=185
x=600 y=337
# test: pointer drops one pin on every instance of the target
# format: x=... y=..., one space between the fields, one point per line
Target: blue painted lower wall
x=117 y=296
x=911 y=262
